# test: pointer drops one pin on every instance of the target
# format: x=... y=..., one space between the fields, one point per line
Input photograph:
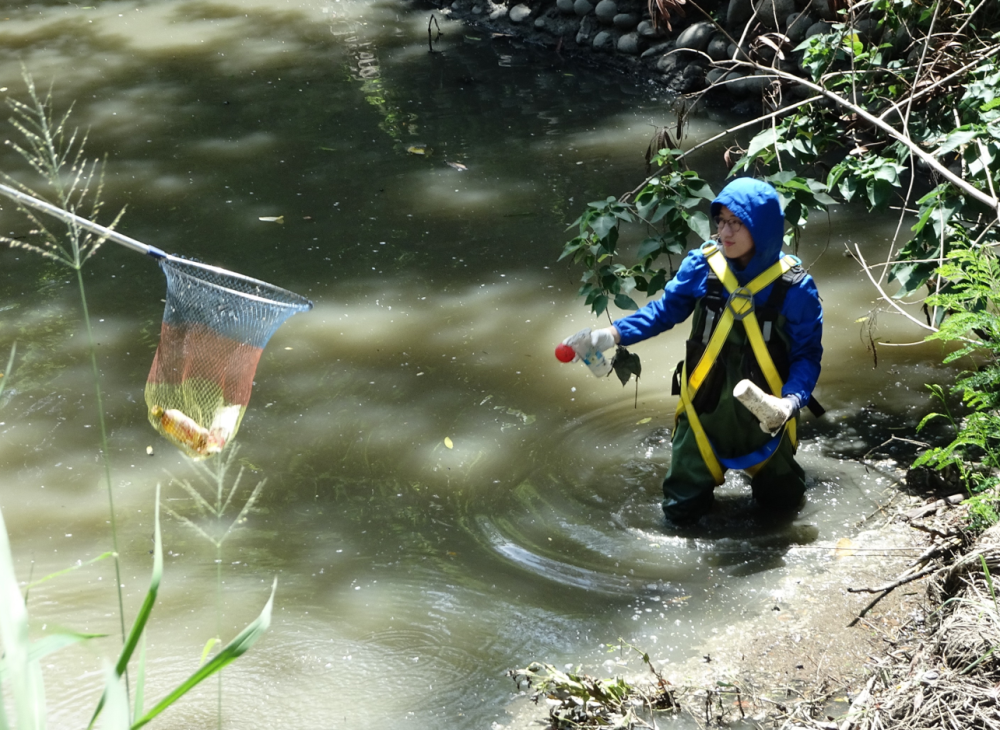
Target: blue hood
x=757 y=205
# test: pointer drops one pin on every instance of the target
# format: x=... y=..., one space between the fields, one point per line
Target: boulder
x=743 y=85
x=519 y=13
x=565 y=6
x=718 y=47
x=625 y=21
x=771 y=13
x=582 y=7
x=696 y=36
x=732 y=53
x=646 y=30
x=818 y=29
x=630 y=44
x=606 y=11
x=671 y=63
x=603 y=41
x=823 y=9
x=738 y=14
x=796 y=27
x=658 y=50
x=715 y=75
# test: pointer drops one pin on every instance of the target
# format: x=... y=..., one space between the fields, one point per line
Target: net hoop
x=239 y=284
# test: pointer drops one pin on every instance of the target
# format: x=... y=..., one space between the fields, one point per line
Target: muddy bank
x=897 y=631
x=686 y=48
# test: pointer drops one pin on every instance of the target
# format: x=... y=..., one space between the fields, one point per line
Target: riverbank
x=889 y=627
x=687 y=49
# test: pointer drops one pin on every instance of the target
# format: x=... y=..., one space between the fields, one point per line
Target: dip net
x=215 y=326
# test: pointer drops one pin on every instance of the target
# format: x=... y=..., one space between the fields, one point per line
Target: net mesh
x=215 y=326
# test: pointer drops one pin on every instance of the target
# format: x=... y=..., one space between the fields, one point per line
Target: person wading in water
x=756 y=316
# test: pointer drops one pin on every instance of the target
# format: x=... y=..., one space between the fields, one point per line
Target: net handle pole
x=68 y=217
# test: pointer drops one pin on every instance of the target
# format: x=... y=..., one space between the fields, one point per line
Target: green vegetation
x=900 y=112
x=56 y=154
x=578 y=700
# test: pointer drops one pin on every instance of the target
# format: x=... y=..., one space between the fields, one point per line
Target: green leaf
x=700 y=224
x=142 y=618
x=762 y=141
x=648 y=249
x=25 y=676
x=602 y=225
x=626 y=364
x=116 y=717
x=623 y=301
x=229 y=653
x=961 y=136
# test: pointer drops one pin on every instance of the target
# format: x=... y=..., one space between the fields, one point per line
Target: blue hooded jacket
x=757 y=206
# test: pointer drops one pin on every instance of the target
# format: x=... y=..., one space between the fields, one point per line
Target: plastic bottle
x=599 y=365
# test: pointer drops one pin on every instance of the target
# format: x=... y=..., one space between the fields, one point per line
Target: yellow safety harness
x=739 y=308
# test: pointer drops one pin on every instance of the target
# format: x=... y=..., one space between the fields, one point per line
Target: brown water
x=443 y=500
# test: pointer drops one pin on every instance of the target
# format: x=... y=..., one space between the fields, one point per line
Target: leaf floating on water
x=272 y=218
x=418 y=149
x=644 y=420
x=844 y=548
x=456 y=165
x=448 y=442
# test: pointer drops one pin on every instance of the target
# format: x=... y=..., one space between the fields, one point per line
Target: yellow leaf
x=859 y=320
x=448 y=443
x=272 y=218
x=417 y=149
x=644 y=420
x=844 y=548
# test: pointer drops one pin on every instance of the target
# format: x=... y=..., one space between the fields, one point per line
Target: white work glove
x=772 y=412
x=781 y=409
x=587 y=341
x=602 y=340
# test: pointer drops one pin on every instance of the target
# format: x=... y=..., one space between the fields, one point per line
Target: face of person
x=735 y=238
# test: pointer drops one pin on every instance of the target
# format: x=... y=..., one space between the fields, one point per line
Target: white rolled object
x=772 y=412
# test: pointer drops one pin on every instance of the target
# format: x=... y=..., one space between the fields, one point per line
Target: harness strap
x=700 y=437
x=739 y=307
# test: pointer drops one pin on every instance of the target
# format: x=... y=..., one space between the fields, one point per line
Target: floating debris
x=456 y=165
x=272 y=219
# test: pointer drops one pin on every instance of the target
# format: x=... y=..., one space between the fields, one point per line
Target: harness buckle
x=740 y=303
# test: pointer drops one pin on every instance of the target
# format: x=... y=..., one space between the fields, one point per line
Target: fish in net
x=215 y=326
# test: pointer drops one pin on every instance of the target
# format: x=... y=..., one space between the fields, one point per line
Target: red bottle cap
x=565 y=353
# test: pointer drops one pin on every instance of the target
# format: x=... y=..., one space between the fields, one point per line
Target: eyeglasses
x=735 y=224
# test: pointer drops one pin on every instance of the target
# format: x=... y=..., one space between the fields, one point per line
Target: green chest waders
x=739 y=308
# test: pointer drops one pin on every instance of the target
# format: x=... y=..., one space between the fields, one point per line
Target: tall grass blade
x=14 y=635
x=142 y=618
x=116 y=716
x=154 y=588
x=229 y=653
x=70 y=569
x=140 y=682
